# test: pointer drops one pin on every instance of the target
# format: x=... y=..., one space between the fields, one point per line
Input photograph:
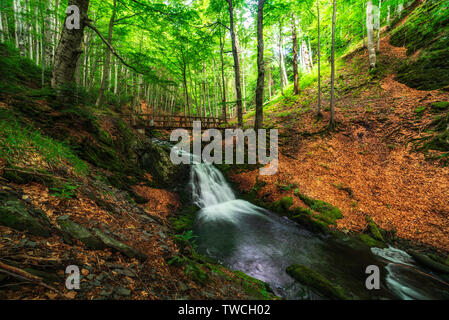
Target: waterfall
x=212 y=193
x=209 y=187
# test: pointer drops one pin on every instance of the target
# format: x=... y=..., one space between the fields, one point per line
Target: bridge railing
x=172 y=121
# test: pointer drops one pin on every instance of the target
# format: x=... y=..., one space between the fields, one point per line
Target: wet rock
x=428 y=262
x=119 y=246
x=147 y=233
x=156 y=160
x=147 y=218
x=71 y=230
x=114 y=265
x=316 y=281
x=91 y=276
x=105 y=292
x=123 y=291
x=16 y=215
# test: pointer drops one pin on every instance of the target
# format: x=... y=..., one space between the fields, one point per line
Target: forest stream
x=247 y=238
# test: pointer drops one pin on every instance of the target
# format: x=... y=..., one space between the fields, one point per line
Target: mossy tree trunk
x=69 y=49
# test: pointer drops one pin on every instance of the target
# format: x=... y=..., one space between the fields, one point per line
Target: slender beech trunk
x=378 y=27
x=319 y=57
x=223 y=101
x=244 y=82
x=258 y=124
x=235 y=53
x=334 y=16
x=204 y=91
x=295 y=56
x=2 y=31
x=370 y=31
x=270 y=81
x=107 y=59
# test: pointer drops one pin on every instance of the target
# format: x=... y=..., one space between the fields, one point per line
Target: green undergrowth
x=435 y=143
x=19 y=140
x=426 y=29
x=17 y=72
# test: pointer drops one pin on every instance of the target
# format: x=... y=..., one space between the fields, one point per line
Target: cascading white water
x=209 y=187
x=212 y=193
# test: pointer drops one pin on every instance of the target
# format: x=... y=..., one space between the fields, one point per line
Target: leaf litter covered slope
x=370 y=155
x=106 y=273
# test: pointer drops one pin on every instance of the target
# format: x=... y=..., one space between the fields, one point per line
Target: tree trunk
x=69 y=49
x=2 y=31
x=260 y=68
x=378 y=27
x=223 y=80
x=295 y=56
x=107 y=60
x=332 y=119
x=235 y=53
x=270 y=81
x=319 y=57
x=244 y=82
x=187 y=106
x=370 y=31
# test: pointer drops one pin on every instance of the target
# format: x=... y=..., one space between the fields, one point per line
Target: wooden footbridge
x=169 y=122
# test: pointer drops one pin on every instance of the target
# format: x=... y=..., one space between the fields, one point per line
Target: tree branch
x=110 y=47
x=21 y=274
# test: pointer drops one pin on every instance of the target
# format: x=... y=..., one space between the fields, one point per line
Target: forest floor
x=368 y=166
x=107 y=273
x=72 y=193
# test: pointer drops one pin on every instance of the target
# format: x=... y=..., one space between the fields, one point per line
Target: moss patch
x=316 y=281
x=326 y=212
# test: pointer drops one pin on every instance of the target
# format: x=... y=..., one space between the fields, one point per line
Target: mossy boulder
x=316 y=281
x=72 y=230
x=439 y=106
x=284 y=204
x=119 y=246
x=326 y=212
x=15 y=214
x=428 y=262
x=371 y=242
x=373 y=229
x=156 y=160
x=310 y=223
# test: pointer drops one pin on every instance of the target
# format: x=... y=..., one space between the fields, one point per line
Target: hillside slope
x=78 y=186
x=385 y=161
